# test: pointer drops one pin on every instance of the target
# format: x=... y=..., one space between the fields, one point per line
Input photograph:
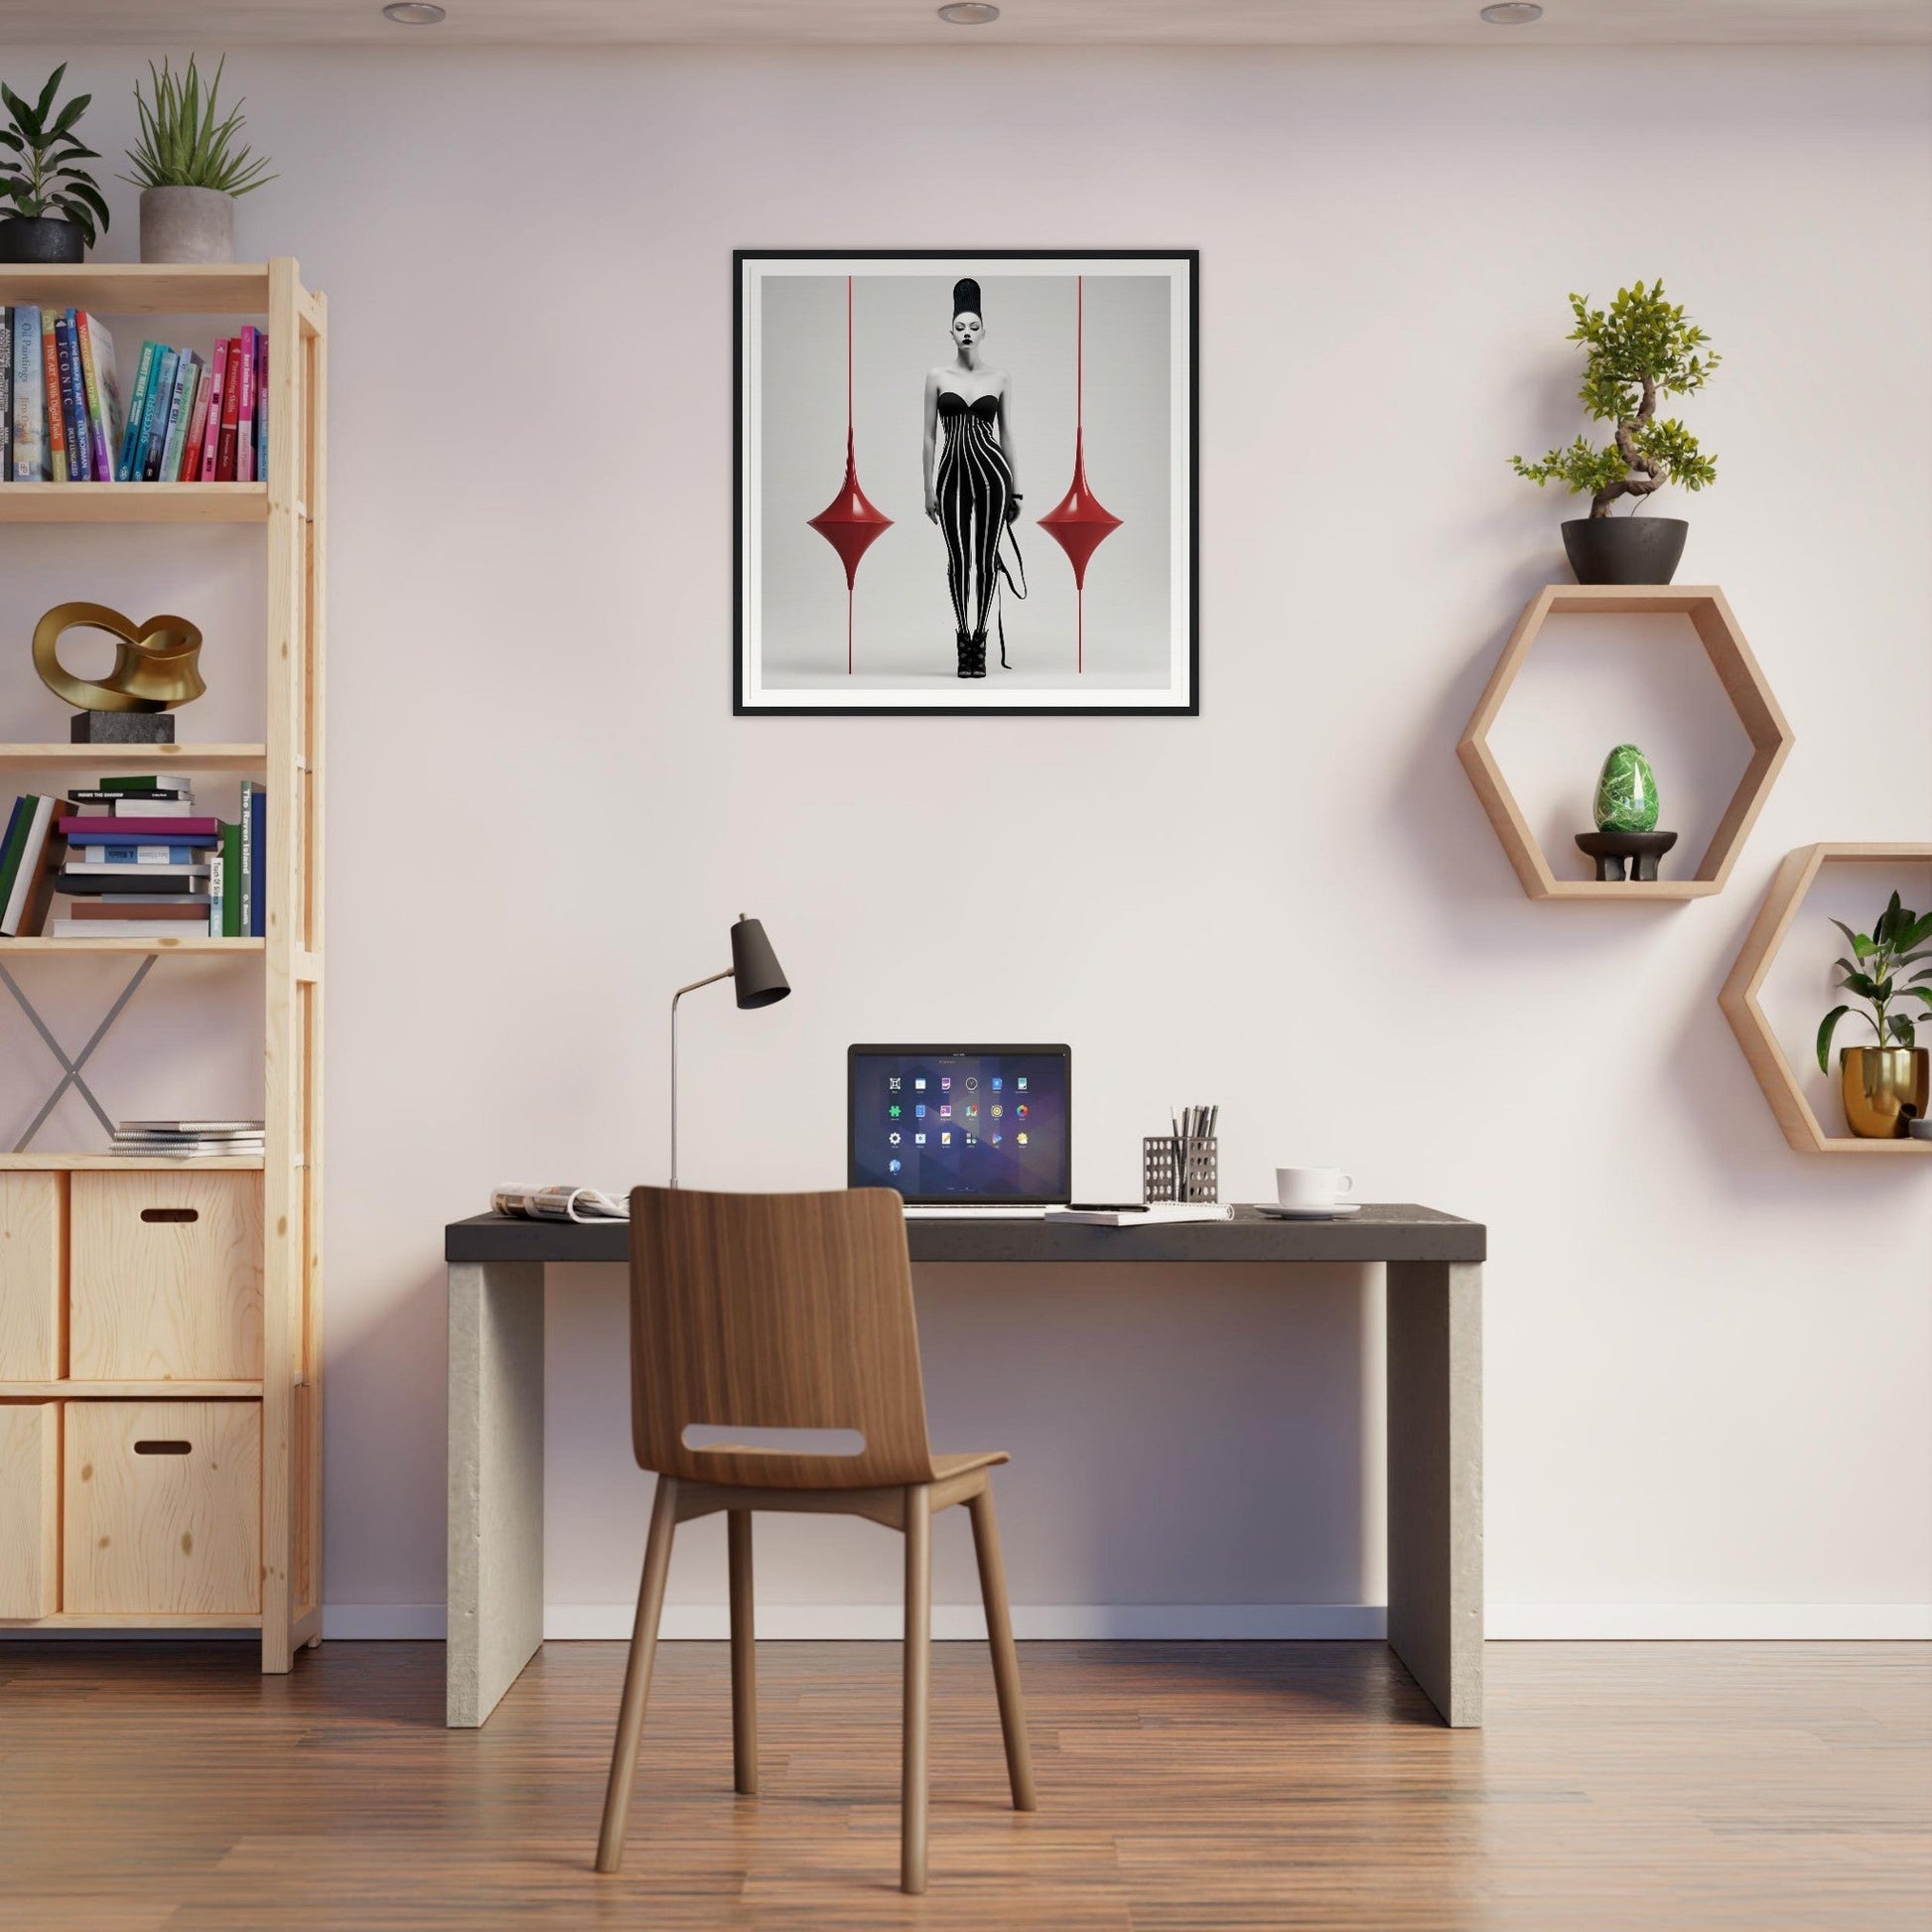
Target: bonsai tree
x=182 y=145
x=37 y=178
x=1898 y=939
x=1641 y=349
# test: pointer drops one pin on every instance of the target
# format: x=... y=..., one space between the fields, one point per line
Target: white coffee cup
x=1312 y=1186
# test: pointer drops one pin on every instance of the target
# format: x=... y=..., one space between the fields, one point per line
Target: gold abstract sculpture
x=154 y=663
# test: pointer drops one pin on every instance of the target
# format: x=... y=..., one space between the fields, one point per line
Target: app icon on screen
x=945 y=1139
x=1020 y=1138
x=971 y=1083
x=1021 y=1110
x=994 y=1138
x=894 y=1110
x=971 y=1142
x=918 y=1140
x=945 y=1083
x=919 y=1083
x=1020 y=1083
x=894 y=1167
x=892 y=1084
x=894 y=1138
x=971 y=1113
x=998 y=1110
x=919 y=1110
x=945 y=1113
x=996 y=1083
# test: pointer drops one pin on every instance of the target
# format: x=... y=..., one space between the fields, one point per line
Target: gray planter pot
x=187 y=224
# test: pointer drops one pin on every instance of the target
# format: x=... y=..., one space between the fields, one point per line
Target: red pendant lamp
x=850 y=523
x=1079 y=523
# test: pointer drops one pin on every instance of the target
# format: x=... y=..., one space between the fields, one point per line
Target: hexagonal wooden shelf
x=1795 y=878
x=1750 y=697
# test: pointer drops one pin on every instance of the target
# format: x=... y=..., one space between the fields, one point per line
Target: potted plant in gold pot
x=1885 y=1086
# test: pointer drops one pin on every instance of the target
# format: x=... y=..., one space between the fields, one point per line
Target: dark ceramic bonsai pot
x=1624 y=549
x=39 y=238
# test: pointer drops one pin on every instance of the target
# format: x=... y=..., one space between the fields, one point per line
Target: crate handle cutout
x=751 y=1440
x=163 y=1447
x=170 y=1213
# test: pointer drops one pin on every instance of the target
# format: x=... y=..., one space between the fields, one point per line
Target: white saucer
x=1276 y=1213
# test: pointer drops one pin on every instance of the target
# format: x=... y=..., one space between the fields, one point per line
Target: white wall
x=1708 y=1364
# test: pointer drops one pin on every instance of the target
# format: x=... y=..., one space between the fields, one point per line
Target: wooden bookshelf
x=286 y=509
x=115 y=503
x=195 y=757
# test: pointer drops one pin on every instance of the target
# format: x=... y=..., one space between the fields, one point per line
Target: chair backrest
x=774 y=1312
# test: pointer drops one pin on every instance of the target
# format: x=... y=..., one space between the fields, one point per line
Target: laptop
x=962 y=1130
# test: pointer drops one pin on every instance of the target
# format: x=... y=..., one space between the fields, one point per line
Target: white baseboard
x=1707 y=1622
x=1196 y=1622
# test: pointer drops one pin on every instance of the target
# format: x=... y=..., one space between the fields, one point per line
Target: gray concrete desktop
x=1434 y=1264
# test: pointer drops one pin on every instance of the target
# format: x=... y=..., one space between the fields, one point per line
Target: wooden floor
x=1618 y=1786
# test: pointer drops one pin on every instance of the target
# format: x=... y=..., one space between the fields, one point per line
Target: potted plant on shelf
x=1638 y=350
x=51 y=206
x=189 y=169
x=1884 y=1086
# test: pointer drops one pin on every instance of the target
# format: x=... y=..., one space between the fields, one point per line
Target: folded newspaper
x=557 y=1204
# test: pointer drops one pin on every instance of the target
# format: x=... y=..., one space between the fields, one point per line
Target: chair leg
x=1006 y=1660
x=919 y=1686
x=636 y=1675
x=744 y=1670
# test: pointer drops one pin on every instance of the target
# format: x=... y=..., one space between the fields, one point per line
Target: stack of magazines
x=187 y=1140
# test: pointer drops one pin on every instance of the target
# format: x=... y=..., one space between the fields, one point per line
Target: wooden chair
x=776 y=1312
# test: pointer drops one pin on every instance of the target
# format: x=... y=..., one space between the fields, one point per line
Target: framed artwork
x=965 y=482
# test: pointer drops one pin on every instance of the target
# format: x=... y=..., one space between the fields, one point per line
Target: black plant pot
x=1624 y=549
x=39 y=238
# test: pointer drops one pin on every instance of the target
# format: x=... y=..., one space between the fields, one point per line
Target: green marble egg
x=1626 y=793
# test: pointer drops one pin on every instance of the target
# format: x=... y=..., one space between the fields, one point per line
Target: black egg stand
x=1611 y=850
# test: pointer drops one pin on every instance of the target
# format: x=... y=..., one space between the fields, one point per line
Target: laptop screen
x=971 y=1124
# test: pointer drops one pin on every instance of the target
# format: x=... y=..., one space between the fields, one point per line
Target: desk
x=1434 y=1265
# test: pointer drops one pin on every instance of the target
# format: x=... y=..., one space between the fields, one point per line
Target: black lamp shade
x=756 y=977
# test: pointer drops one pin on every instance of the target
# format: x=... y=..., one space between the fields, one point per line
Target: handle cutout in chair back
x=170 y=1213
x=748 y=1439
x=163 y=1446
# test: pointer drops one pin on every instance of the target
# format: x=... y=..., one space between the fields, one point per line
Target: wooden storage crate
x=162 y=1507
x=166 y=1278
x=30 y=1509
x=32 y=1269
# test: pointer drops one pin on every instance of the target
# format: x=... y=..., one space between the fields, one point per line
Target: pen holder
x=1180 y=1168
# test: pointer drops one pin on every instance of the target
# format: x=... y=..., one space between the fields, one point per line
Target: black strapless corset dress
x=974 y=487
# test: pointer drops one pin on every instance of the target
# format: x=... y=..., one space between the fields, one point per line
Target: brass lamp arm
x=711 y=980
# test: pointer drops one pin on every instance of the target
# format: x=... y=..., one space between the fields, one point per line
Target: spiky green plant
x=37 y=178
x=1638 y=349
x=1897 y=941
x=182 y=145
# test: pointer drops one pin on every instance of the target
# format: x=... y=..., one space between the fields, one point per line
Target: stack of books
x=186 y=420
x=137 y=861
x=187 y=1140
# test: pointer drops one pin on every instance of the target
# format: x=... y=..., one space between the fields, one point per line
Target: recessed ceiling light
x=969 y=13
x=1512 y=13
x=413 y=13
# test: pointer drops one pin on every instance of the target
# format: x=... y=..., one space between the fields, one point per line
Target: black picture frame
x=1185 y=703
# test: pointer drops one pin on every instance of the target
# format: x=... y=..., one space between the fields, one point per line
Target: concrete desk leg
x=495 y=1588
x=1435 y=1322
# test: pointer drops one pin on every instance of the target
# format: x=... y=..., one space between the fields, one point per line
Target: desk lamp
x=760 y=982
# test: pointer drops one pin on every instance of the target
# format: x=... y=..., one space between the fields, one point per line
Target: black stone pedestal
x=1612 y=849
x=122 y=728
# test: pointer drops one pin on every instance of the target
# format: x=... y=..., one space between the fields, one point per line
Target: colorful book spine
x=102 y=383
x=6 y=395
x=160 y=400
x=231 y=407
x=244 y=467
x=143 y=855
x=230 y=895
x=137 y=408
x=217 y=384
x=189 y=466
x=178 y=410
x=10 y=844
x=33 y=881
x=247 y=880
x=57 y=418
x=261 y=407
x=153 y=831
x=73 y=401
x=258 y=864
x=30 y=440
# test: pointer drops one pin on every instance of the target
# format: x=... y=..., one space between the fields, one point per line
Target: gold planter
x=1884 y=1088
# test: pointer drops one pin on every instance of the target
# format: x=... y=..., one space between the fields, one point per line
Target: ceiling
x=912 y=23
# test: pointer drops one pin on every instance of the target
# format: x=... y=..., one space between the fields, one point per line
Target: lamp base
x=121 y=728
